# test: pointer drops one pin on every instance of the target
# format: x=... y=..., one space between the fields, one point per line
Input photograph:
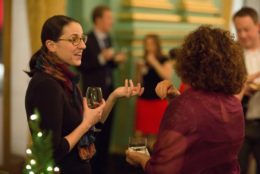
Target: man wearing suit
x=98 y=61
x=248 y=32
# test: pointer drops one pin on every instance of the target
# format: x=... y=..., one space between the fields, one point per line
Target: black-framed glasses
x=75 y=39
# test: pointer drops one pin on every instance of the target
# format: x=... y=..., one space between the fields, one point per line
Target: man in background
x=247 y=25
x=98 y=62
x=99 y=59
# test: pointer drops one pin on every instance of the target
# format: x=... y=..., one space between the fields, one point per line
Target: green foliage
x=39 y=155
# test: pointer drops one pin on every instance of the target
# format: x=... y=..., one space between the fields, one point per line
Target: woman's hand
x=92 y=116
x=128 y=91
x=166 y=89
x=136 y=158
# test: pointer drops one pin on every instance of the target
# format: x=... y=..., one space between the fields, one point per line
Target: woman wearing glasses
x=54 y=93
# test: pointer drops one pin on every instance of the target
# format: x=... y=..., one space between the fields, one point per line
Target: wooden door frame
x=6 y=84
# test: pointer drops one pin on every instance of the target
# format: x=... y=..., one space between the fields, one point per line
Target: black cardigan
x=59 y=115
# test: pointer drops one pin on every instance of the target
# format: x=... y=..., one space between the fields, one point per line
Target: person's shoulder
x=187 y=98
x=43 y=81
x=91 y=38
x=90 y=33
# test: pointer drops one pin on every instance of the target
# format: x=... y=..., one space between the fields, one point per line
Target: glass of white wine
x=138 y=144
x=94 y=99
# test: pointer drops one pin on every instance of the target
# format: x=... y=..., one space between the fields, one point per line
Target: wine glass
x=94 y=99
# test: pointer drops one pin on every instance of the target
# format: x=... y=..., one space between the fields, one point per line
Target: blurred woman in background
x=149 y=108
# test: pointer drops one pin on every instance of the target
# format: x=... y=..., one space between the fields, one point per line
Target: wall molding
x=200 y=6
x=159 y=4
x=149 y=17
x=205 y=20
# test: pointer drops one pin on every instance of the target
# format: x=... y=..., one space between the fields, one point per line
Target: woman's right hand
x=92 y=116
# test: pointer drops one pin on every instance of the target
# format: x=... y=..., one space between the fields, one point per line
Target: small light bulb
x=49 y=168
x=56 y=169
x=28 y=167
x=39 y=134
x=33 y=162
x=28 y=151
x=33 y=117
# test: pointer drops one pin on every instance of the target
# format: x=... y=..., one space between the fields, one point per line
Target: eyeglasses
x=75 y=39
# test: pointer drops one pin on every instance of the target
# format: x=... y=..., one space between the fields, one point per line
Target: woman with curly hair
x=202 y=129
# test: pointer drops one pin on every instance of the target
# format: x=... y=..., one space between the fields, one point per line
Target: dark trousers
x=250 y=146
x=100 y=160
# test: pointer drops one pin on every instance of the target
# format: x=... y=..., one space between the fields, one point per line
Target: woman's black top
x=58 y=115
x=150 y=80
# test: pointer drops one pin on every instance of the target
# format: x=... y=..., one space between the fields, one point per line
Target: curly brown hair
x=211 y=60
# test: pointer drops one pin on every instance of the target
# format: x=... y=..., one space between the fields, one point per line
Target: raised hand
x=108 y=53
x=151 y=59
x=120 y=58
x=128 y=90
x=124 y=91
x=166 y=89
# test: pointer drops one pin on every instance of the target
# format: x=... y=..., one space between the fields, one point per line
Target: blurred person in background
x=99 y=59
x=153 y=68
x=247 y=25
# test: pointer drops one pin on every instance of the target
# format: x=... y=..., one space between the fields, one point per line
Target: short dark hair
x=99 y=11
x=211 y=60
x=247 y=11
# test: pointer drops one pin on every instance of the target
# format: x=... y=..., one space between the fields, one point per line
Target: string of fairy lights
x=40 y=149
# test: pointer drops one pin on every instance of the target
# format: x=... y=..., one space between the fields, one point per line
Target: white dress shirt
x=252 y=61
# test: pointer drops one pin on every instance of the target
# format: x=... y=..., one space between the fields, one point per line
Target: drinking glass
x=138 y=144
x=94 y=99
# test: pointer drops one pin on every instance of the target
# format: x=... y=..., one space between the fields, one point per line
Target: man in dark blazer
x=98 y=62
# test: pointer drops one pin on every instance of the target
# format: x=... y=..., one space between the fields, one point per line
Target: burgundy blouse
x=200 y=133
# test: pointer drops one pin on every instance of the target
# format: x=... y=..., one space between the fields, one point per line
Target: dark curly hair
x=211 y=60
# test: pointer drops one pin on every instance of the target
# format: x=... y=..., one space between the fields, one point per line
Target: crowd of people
x=211 y=126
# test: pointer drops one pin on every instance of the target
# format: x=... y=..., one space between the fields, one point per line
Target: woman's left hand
x=128 y=91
